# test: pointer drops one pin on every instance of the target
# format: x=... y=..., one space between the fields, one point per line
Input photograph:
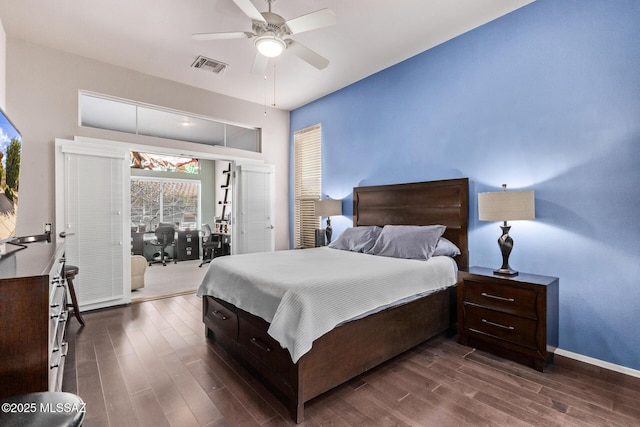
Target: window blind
x=308 y=184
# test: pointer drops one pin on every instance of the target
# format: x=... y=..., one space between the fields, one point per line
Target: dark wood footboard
x=341 y=354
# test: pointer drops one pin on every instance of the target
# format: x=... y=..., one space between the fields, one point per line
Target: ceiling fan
x=271 y=30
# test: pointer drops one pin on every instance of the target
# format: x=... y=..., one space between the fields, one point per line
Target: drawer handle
x=511 y=328
x=260 y=345
x=220 y=315
x=484 y=294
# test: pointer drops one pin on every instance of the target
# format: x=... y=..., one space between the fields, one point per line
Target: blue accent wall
x=545 y=98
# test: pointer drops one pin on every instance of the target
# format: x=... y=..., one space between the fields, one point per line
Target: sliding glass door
x=155 y=201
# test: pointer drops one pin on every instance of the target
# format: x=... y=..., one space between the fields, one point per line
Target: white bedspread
x=306 y=293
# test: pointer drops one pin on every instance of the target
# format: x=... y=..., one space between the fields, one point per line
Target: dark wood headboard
x=443 y=202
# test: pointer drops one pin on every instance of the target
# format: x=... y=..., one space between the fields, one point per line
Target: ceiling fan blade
x=260 y=63
x=312 y=21
x=250 y=10
x=307 y=54
x=223 y=36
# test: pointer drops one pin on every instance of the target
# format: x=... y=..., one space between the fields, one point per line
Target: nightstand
x=512 y=317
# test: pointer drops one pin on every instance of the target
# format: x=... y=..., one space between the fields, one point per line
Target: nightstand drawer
x=510 y=299
x=515 y=329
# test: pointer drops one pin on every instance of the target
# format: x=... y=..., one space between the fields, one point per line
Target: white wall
x=42 y=97
x=3 y=68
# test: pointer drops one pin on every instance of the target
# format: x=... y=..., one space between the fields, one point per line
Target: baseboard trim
x=599 y=363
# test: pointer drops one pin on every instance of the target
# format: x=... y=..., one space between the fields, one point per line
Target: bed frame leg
x=297 y=413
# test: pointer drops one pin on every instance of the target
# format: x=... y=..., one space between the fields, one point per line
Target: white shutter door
x=94 y=212
x=254 y=225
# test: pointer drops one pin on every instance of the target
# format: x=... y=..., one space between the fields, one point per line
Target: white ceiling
x=154 y=37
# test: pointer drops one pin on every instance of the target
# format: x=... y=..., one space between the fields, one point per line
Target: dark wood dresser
x=33 y=316
x=512 y=317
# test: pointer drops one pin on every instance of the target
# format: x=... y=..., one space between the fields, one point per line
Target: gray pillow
x=446 y=248
x=408 y=241
x=357 y=239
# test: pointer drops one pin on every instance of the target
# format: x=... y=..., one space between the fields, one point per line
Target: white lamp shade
x=506 y=205
x=328 y=207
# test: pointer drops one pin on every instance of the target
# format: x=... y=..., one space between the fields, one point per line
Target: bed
x=362 y=342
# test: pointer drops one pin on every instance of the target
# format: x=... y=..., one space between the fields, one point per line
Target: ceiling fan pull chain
x=274 y=84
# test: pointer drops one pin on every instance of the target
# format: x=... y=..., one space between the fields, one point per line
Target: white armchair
x=138 y=267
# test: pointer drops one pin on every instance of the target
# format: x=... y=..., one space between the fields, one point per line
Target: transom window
x=104 y=112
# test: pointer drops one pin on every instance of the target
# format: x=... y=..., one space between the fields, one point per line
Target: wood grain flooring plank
x=350 y=414
x=133 y=373
x=390 y=391
x=186 y=312
x=119 y=405
x=180 y=347
x=625 y=395
x=148 y=409
x=150 y=312
x=119 y=339
x=156 y=339
x=89 y=383
x=205 y=376
x=172 y=318
x=514 y=410
x=234 y=412
x=382 y=418
x=197 y=399
x=597 y=411
x=546 y=408
x=160 y=381
x=182 y=417
x=192 y=305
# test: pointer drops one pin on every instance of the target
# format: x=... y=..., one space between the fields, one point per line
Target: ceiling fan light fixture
x=270 y=45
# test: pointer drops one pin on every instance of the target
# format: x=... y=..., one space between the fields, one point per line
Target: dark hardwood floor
x=149 y=364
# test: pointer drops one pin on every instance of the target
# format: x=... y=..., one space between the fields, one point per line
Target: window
x=308 y=184
x=163 y=163
x=162 y=200
x=104 y=112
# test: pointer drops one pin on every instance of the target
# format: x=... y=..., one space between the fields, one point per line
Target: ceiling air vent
x=209 y=64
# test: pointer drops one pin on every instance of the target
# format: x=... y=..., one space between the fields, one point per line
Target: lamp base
x=505 y=272
x=328 y=231
x=506 y=244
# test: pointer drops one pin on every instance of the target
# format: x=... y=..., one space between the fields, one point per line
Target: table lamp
x=328 y=208
x=506 y=206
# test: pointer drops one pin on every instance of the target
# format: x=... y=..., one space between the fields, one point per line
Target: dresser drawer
x=220 y=319
x=509 y=299
x=56 y=367
x=57 y=310
x=514 y=329
x=263 y=347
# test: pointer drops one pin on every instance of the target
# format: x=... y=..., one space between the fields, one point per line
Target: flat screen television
x=10 y=154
